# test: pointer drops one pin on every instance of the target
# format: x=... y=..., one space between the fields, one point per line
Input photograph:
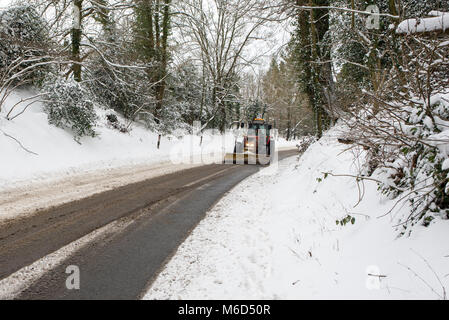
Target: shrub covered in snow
x=68 y=105
x=405 y=130
x=109 y=90
x=423 y=165
x=185 y=94
x=23 y=35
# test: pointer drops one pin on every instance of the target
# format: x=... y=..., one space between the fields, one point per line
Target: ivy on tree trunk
x=151 y=34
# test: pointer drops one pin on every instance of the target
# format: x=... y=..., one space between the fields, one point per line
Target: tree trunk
x=289 y=123
x=305 y=54
x=76 y=39
x=315 y=73
x=321 y=71
x=162 y=54
x=392 y=7
x=353 y=14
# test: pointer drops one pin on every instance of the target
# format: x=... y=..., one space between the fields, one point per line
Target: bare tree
x=220 y=33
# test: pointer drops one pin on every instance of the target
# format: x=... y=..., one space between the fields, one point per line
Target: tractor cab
x=253 y=141
x=257 y=136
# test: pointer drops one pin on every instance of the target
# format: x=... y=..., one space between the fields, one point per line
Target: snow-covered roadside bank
x=59 y=155
x=276 y=237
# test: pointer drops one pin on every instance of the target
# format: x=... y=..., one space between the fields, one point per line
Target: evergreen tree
x=151 y=32
x=24 y=39
x=313 y=58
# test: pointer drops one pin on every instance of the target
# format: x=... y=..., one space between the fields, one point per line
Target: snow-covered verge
x=276 y=237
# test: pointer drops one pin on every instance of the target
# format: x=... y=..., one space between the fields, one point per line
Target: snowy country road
x=119 y=239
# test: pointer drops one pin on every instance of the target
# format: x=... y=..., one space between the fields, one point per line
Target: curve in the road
x=163 y=212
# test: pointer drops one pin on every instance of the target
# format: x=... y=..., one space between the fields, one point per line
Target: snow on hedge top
x=439 y=22
x=436 y=13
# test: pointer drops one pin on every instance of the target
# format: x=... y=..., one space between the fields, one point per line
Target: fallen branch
x=360 y=178
x=434 y=273
x=19 y=143
x=420 y=278
x=377 y=275
x=20 y=102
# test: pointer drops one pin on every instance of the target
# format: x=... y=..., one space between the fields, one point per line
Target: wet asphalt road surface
x=162 y=210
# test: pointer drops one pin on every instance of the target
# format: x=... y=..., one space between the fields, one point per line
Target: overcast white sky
x=4 y=3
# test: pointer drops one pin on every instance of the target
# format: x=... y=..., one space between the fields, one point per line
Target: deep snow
x=275 y=237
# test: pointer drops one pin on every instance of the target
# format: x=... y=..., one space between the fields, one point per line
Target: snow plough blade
x=245 y=158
